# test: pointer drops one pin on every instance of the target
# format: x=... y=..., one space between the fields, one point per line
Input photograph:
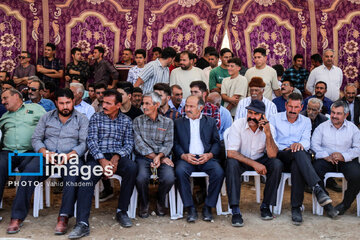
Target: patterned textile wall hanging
x=184 y=24
x=281 y=27
x=20 y=30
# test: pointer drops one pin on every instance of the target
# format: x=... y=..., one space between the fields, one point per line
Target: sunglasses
x=33 y=89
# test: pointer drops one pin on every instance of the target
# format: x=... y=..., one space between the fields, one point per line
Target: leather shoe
x=341 y=208
x=123 y=219
x=144 y=211
x=206 y=212
x=160 y=210
x=331 y=212
x=61 y=226
x=296 y=216
x=80 y=230
x=14 y=226
x=321 y=196
x=192 y=215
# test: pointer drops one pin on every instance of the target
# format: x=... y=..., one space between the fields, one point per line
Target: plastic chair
x=180 y=206
x=317 y=209
x=280 y=192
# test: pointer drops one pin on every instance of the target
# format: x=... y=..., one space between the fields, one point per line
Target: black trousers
x=234 y=169
x=302 y=171
x=126 y=168
x=166 y=180
x=351 y=171
x=212 y=168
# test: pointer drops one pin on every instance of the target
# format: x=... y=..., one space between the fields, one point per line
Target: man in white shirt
x=214 y=62
x=328 y=73
x=187 y=73
x=251 y=146
x=196 y=149
x=256 y=87
x=267 y=73
x=80 y=105
x=140 y=59
x=337 y=146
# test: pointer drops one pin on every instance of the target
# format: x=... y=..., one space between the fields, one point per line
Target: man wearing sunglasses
x=35 y=92
x=23 y=71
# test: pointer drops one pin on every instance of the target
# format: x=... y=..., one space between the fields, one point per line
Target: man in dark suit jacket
x=353 y=102
x=196 y=146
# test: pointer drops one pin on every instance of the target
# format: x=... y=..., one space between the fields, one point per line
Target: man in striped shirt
x=156 y=71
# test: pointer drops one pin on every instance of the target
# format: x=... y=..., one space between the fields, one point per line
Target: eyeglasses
x=33 y=89
x=22 y=57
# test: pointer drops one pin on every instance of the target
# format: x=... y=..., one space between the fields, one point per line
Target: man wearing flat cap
x=256 y=90
x=251 y=146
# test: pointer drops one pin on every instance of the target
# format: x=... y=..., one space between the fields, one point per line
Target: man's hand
x=167 y=161
x=204 y=158
x=156 y=162
x=115 y=160
x=330 y=159
x=74 y=72
x=234 y=100
x=264 y=123
x=67 y=78
x=338 y=157
x=104 y=162
x=259 y=168
x=295 y=147
x=190 y=158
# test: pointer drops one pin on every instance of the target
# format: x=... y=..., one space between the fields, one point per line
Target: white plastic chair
x=180 y=206
x=39 y=199
x=280 y=192
x=317 y=209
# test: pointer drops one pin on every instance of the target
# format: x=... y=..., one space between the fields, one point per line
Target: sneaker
x=80 y=230
x=266 y=214
x=237 y=221
x=321 y=196
x=105 y=195
x=296 y=216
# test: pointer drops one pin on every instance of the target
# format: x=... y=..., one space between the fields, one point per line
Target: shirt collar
x=324 y=67
x=344 y=125
x=194 y=119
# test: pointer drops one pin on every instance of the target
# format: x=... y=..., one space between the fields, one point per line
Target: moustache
x=190 y=112
x=334 y=118
x=252 y=119
x=292 y=112
x=282 y=89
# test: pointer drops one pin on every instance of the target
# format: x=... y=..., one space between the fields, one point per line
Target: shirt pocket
x=160 y=135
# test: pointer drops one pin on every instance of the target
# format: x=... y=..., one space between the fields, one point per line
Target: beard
x=66 y=112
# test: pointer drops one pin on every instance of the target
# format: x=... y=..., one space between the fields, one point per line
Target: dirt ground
x=104 y=226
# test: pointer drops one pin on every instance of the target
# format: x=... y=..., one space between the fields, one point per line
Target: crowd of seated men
x=168 y=121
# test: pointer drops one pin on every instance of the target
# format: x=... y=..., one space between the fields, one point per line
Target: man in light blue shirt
x=80 y=105
x=337 y=146
x=176 y=101
x=293 y=132
x=36 y=89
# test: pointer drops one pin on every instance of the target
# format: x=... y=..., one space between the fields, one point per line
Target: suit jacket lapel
x=202 y=125
x=187 y=130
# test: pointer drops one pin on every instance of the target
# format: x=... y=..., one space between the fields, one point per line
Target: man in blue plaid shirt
x=297 y=74
x=110 y=141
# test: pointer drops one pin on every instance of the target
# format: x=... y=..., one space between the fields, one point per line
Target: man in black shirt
x=126 y=90
x=204 y=61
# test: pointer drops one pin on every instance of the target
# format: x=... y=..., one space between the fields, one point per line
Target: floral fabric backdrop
x=186 y=36
x=270 y=33
x=10 y=31
x=183 y=24
x=349 y=54
x=157 y=17
x=10 y=42
x=86 y=35
x=275 y=39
